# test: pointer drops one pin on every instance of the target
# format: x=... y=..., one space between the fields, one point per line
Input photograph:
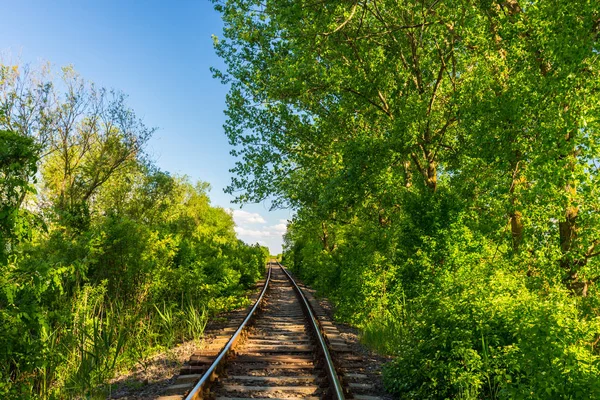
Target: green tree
x=434 y=152
x=18 y=165
x=122 y=260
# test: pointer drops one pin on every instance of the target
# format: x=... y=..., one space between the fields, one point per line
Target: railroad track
x=279 y=349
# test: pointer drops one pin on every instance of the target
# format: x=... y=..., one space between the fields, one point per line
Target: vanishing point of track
x=278 y=353
x=279 y=349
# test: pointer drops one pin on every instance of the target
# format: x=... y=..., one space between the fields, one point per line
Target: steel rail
x=333 y=377
x=197 y=392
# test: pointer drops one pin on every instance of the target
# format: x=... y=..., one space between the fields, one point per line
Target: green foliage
x=481 y=330
x=18 y=165
x=443 y=159
x=467 y=323
x=131 y=260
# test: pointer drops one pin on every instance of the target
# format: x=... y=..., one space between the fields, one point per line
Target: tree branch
x=345 y=22
x=368 y=100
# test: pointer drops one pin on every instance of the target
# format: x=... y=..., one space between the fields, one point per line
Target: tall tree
x=335 y=105
x=18 y=165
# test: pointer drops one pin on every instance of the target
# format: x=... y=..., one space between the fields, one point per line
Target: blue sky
x=159 y=54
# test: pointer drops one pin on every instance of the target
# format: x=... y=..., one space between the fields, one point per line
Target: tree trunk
x=516 y=218
x=516 y=227
x=325 y=237
x=431 y=177
x=568 y=234
x=407 y=174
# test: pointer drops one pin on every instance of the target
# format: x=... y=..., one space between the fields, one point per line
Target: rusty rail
x=197 y=392
x=336 y=385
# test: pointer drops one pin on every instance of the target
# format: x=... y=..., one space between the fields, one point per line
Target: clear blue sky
x=159 y=54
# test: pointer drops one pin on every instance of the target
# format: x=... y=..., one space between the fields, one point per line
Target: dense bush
x=461 y=317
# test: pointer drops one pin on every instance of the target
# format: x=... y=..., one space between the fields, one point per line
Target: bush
x=473 y=325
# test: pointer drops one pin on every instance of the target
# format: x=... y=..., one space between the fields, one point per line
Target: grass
x=384 y=332
x=196 y=319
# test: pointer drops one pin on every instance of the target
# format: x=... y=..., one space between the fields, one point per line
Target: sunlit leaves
x=443 y=161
